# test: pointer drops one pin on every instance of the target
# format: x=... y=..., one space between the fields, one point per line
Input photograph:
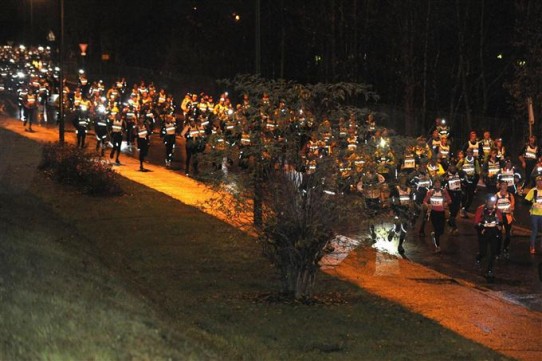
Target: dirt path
x=507 y=328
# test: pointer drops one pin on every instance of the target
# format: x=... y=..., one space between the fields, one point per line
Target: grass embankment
x=144 y=277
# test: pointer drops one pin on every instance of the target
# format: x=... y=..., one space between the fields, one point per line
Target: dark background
x=471 y=61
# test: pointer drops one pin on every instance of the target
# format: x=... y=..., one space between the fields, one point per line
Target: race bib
x=454 y=184
x=437 y=200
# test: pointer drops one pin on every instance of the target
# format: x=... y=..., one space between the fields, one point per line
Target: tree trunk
x=425 y=62
x=333 y=40
x=282 y=40
x=484 y=106
x=409 y=79
x=305 y=283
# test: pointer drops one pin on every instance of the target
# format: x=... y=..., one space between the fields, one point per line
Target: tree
x=296 y=213
x=527 y=63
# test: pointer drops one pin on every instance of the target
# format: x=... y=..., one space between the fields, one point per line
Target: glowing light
x=499 y=56
x=382 y=244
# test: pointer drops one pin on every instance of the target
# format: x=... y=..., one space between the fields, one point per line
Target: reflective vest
x=486 y=146
x=530 y=153
x=537 y=199
x=245 y=139
x=444 y=151
x=409 y=162
x=503 y=202
x=443 y=130
x=489 y=219
x=469 y=167
x=404 y=196
x=359 y=163
x=170 y=128
x=116 y=127
x=454 y=183
x=507 y=175
x=475 y=148
x=77 y=100
x=30 y=99
x=142 y=132
x=437 y=199
x=492 y=169
x=432 y=169
x=423 y=183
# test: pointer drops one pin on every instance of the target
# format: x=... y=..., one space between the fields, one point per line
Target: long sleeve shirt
x=437 y=199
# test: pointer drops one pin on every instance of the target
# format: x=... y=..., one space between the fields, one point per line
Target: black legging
x=143 y=146
x=419 y=197
x=454 y=207
x=401 y=225
x=507 y=231
x=29 y=116
x=101 y=135
x=438 y=220
x=489 y=239
x=116 y=138
x=191 y=151
x=529 y=166
x=169 y=141
x=468 y=196
x=129 y=133
x=81 y=136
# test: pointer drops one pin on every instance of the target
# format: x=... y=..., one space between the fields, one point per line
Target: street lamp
x=61 y=75
x=83 y=47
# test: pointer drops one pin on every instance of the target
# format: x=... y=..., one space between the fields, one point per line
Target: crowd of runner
x=430 y=181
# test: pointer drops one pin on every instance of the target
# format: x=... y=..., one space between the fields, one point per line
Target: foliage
x=320 y=100
x=295 y=220
x=68 y=164
x=299 y=222
x=527 y=63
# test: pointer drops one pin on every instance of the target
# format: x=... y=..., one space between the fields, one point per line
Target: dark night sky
x=373 y=41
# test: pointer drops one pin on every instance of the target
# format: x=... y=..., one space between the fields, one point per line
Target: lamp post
x=61 y=76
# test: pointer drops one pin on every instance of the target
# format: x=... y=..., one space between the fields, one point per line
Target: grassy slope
x=175 y=282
